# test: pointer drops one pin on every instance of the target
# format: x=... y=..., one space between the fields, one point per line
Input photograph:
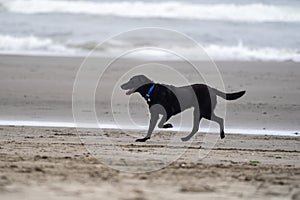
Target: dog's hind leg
x=197 y=118
x=220 y=121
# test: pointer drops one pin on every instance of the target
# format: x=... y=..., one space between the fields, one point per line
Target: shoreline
x=52 y=124
x=143 y=58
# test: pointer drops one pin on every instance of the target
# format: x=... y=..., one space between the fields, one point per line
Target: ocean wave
x=244 y=53
x=45 y=46
x=215 y=52
x=31 y=45
x=256 y=12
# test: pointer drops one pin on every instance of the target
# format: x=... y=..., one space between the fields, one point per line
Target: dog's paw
x=222 y=135
x=142 y=139
x=168 y=126
x=184 y=139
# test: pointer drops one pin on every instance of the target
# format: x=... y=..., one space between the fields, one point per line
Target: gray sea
x=226 y=29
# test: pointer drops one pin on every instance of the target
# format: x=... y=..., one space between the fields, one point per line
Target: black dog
x=167 y=100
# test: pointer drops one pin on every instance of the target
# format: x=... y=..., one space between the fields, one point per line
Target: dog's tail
x=229 y=96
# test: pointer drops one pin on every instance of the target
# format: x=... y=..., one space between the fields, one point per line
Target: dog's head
x=134 y=83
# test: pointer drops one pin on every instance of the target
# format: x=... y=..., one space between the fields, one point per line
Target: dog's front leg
x=163 y=120
x=152 y=124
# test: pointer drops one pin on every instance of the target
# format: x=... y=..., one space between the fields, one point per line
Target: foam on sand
x=113 y=126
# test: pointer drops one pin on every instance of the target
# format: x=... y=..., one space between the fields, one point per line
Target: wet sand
x=40 y=89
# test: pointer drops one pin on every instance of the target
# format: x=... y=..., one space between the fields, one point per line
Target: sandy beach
x=68 y=131
x=55 y=163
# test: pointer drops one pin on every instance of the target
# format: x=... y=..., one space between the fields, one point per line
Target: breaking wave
x=45 y=46
x=31 y=45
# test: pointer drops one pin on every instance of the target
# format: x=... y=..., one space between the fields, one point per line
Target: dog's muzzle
x=129 y=90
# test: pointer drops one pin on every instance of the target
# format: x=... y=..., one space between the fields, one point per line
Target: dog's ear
x=144 y=79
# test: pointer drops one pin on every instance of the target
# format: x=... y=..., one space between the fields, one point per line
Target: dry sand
x=53 y=163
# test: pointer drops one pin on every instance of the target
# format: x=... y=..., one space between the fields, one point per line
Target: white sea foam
x=255 y=12
x=45 y=46
x=241 y=52
x=224 y=53
x=31 y=45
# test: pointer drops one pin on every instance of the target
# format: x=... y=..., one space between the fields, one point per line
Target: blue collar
x=147 y=97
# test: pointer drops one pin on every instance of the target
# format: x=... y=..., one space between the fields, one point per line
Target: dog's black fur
x=167 y=100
